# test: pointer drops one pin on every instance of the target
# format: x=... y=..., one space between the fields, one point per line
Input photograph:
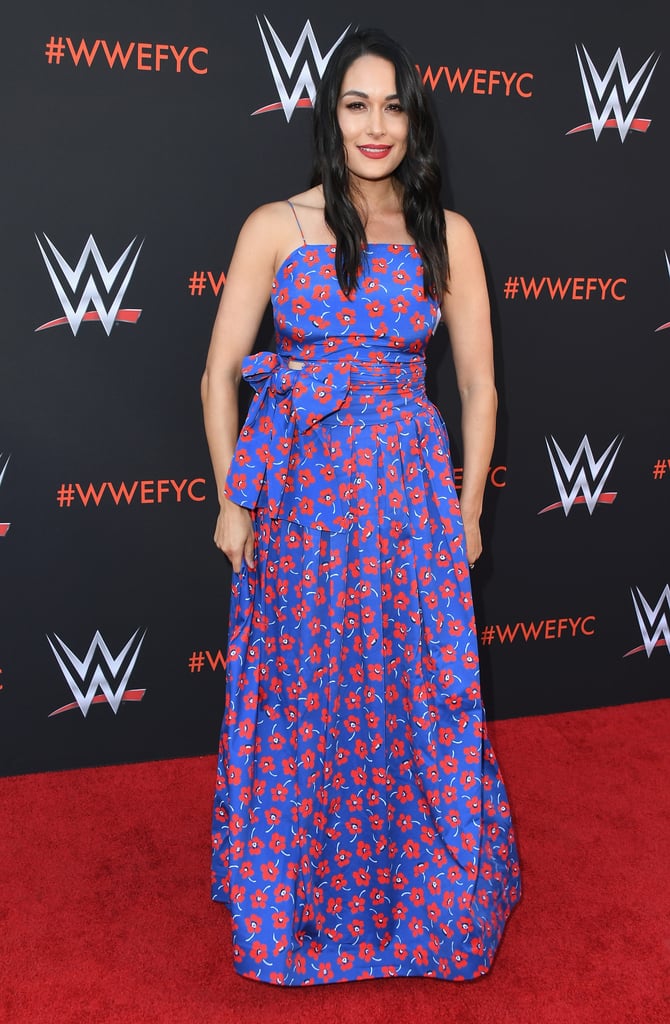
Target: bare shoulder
x=312 y=199
x=267 y=233
x=467 y=293
x=460 y=234
x=309 y=212
x=270 y=221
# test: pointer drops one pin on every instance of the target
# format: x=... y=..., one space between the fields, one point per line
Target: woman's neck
x=376 y=200
x=379 y=205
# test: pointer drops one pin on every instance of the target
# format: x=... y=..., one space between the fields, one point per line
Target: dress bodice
x=388 y=317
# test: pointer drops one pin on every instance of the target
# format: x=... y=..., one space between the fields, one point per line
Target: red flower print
x=269 y=871
x=258 y=951
x=325 y=972
x=237 y=893
x=361 y=877
x=277 y=843
x=253 y=924
x=259 y=899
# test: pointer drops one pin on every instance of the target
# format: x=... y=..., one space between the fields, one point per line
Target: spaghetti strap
x=302 y=235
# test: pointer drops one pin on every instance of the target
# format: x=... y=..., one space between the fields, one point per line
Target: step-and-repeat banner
x=137 y=139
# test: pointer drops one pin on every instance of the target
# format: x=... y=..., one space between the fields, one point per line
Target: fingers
x=235 y=537
x=237 y=559
x=473 y=546
x=239 y=555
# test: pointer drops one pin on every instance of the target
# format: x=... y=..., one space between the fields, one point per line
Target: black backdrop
x=115 y=601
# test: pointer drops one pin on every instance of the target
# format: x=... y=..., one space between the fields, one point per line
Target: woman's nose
x=375 y=122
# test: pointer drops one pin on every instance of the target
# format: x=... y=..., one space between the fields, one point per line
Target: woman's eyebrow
x=364 y=95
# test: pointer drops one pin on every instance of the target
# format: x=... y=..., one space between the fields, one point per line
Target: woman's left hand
x=473 y=542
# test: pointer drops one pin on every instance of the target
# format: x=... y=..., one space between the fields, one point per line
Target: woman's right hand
x=234 y=534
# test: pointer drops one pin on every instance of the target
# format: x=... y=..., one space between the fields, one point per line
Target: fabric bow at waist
x=287 y=402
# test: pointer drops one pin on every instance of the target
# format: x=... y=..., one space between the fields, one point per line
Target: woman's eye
x=355 y=105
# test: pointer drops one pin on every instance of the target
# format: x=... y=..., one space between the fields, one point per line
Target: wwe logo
x=98 y=670
x=654 y=623
x=89 y=294
x=609 y=96
x=584 y=474
x=4 y=527
x=664 y=326
x=305 y=81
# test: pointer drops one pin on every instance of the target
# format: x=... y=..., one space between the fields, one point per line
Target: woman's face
x=374 y=126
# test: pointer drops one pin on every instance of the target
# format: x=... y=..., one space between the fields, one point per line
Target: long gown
x=361 y=824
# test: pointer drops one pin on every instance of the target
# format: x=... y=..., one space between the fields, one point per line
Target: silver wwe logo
x=654 y=622
x=664 y=327
x=98 y=677
x=581 y=480
x=4 y=527
x=278 y=54
x=77 y=298
x=613 y=98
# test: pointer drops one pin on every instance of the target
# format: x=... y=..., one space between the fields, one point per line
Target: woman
x=361 y=826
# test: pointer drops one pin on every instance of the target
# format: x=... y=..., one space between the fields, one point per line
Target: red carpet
x=106 y=918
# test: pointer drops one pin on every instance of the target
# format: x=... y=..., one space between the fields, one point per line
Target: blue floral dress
x=361 y=824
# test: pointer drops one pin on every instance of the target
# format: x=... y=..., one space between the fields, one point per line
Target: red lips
x=375 y=152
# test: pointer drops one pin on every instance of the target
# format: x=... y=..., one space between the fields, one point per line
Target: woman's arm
x=245 y=296
x=466 y=312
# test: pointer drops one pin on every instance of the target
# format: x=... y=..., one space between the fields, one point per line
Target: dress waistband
x=359 y=369
x=289 y=401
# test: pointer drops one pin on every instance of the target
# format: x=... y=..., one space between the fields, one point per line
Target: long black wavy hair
x=418 y=174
